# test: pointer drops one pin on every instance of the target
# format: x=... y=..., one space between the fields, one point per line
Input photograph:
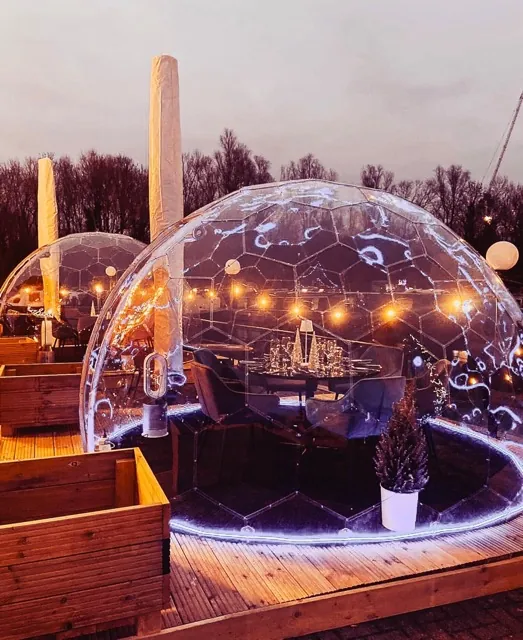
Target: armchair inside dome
x=269 y=335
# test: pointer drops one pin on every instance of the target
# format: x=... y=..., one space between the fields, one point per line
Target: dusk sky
x=405 y=83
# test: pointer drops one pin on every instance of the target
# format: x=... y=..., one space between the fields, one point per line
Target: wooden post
x=175 y=435
x=149 y=623
x=125 y=483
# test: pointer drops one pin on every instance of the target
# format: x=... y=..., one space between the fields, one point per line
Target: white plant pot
x=399 y=510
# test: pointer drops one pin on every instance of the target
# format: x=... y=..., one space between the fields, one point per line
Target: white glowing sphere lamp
x=502 y=255
x=232 y=267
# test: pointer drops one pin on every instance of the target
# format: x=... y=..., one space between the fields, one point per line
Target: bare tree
x=376 y=177
x=200 y=180
x=451 y=189
x=109 y=193
x=235 y=166
x=307 y=167
x=18 y=190
x=417 y=191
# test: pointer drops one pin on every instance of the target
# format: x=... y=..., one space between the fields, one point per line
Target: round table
x=311 y=380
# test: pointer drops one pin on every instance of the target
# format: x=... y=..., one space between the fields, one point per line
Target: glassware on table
x=274 y=360
x=337 y=361
x=287 y=347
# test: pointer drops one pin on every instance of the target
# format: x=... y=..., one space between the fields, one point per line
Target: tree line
x=101 y=192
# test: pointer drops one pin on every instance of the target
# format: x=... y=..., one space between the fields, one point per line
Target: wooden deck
x=241 y=590
x=34 y=443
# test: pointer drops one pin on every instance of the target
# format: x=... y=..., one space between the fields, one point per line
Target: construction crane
x=507 y=139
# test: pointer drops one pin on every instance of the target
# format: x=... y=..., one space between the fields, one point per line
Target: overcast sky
x=405 y=83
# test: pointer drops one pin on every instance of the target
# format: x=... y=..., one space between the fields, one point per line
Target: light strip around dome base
x=348 y=537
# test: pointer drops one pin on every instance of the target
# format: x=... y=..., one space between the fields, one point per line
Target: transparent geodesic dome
x=246 y=330
x=72 y=277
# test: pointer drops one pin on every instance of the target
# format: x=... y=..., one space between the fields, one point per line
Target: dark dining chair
x=227 y=403
x=222 y=368
x=64 y=335
x=364 y=411
x=389 y=360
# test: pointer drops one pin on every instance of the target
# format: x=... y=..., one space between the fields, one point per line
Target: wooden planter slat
x=55 y=471
x=39 y=395
x=17 y=350
x=65 y=573
x=49 y=614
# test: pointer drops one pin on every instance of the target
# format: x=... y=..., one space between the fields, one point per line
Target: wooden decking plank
x=63 y=443
x=417 y=559
x=353 y=606
x=306 y=573
x=77 y=444
x=425 y=551
x=189 y=597
x=233 y=596
x=381 y=563
x=25 y=446
x=170 y=616
x=44 y=445
x=245 y=579
x=273 y=572
x=516 y=525
x=493 y=540
x=361 y=560
x=220 y=591
x=390 y=561
x=504 y=535
x=340 y=575
x=482 y=544
x=457 y=551
x=7 y=447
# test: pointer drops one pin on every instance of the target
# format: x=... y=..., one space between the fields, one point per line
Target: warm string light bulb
x=390 y=313
x=98 y=288
x=263 y=302
x=28 y=289
x=296 y=309
x=337 y=315
x=456 y=304
x=236 y=289
x=212 y=294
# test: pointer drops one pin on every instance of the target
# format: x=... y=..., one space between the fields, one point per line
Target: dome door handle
x=155 y=376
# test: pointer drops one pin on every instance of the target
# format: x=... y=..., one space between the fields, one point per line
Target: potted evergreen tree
x=401 y=464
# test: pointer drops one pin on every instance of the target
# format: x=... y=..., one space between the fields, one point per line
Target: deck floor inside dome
x=254 y=591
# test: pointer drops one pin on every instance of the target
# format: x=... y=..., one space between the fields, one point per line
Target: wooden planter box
x=18 y=350
x=34 y=395
x=84 y=541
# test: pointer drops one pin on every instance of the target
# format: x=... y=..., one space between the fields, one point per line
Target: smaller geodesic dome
x=79 y=270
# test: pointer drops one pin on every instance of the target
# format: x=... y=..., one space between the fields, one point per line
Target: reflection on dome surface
x=68 y=279
x=273 y=362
